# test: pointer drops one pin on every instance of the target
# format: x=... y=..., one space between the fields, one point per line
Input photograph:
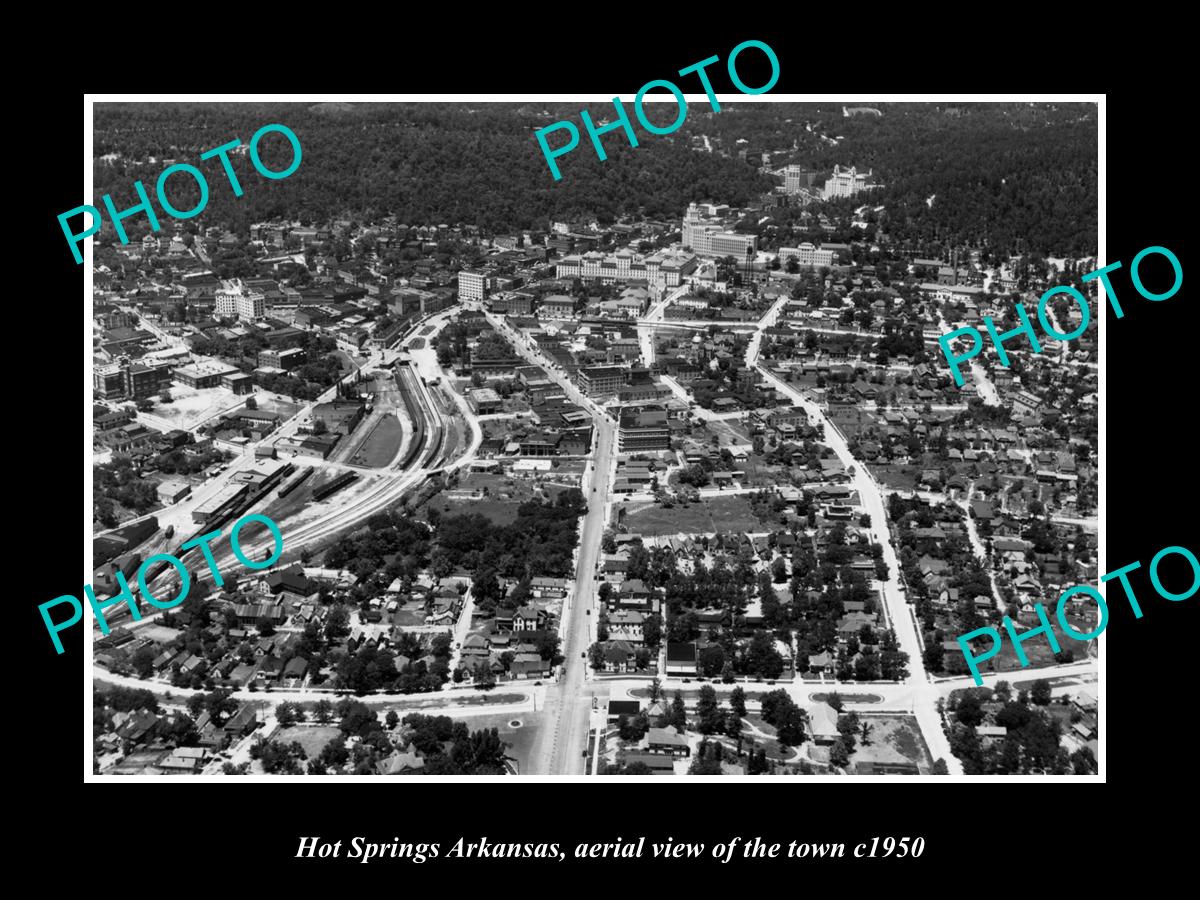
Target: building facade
x=643 y=428
x=600 y=381
x=706 y=233
x=125 y=380
x=807 y=256
x=846 y=183
x=235 y=301
x=472 y=285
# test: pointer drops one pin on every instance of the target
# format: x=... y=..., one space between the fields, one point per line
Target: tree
x=839 y=755
x=633 y=728
x=483 y=676
x=779 y=571
x=266 y=627
x=940 y=768
x=596 y=655
x=733 y=727
x=708 y=711
x=1039 y=693
x=737 y=701
x=834 y=699
x=678 y=713
x=865 y=732
x=392 y=719
x=652 y=630
x=655 y=690
x=790 y=730
x=323 y=711
x=285 y=714
x=337 y=624
x=757 y=764
x=546 y=645
x=143 y=662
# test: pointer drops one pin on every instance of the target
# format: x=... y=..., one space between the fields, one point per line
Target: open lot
x=189 y=406
x=1038 y=650
x=727 y=514
x=267 y=402
x=893 y=739
x=502 y=496
x=898 y=478
x=312 y=738
x=381 y=445
x=520 y=737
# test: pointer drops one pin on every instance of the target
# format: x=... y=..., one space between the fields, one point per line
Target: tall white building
x=846 y=183
x=797 y=178
x=807 y=255
x=234 y=301
x=666 y=268
x=704 y=230
x=471 y=285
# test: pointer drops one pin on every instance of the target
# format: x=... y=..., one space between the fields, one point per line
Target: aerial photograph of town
x=655 y=468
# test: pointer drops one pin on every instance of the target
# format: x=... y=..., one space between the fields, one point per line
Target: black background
x=973 y=832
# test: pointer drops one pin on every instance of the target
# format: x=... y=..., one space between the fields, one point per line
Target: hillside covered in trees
x=424 y=163
x=1007 y=177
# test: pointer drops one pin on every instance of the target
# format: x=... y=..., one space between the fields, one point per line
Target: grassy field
x=731 y=513
x=1038 y=649
x=893 y=739
x=898 y=478
x=312 y=738
x=382 y=445
x=520 y=736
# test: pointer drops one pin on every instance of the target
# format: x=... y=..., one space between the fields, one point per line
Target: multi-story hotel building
x=600 y=381
x=664 y=269
x=471 y=285
x=846 y=183
x=705 y=232
x=797 y=178
x=643 y=428
x=807 y=255
x=234 y=301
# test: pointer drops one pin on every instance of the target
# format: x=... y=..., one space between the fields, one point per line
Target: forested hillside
x=1011 y=177
x=424 y=163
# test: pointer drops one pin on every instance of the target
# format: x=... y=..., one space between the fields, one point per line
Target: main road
x=562 y=739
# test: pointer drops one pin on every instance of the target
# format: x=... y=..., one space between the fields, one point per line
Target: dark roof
x=681 y=652
x=623 y=707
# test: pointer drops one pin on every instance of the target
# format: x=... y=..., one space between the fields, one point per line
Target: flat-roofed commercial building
x=472 y=285
x=219 y=503
x=203 y=375
x=130 y=380
x=286 y=359
x=807 y=255
x=705 y=231
x=643 y=428
x=600 y=381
